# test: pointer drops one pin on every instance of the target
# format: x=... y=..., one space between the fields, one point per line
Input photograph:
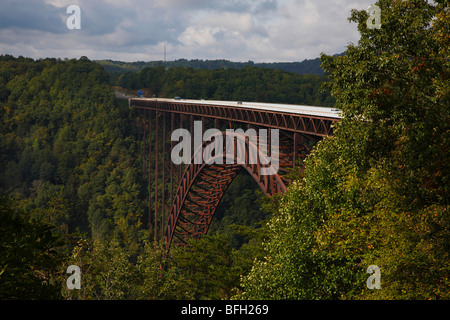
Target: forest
x=246 y=84
x=374 y=193
x=307 y=66
x=72 y=192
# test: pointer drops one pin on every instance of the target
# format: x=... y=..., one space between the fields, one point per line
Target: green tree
x=106 y=272
x=30 y=258
x=209 y=263
x=160 y=276
x=377 y=191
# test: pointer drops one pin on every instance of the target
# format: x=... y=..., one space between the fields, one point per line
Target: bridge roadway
x=274 y=107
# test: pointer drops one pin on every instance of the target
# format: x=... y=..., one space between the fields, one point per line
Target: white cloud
x=199 y=36
x=270 y=30
x=240 y=22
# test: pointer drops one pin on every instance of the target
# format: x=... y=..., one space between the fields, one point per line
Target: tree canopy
x=307 y=66
x=377 y=192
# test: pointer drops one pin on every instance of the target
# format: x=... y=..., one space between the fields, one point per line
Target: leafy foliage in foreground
x=28 y=255
x=376 y=193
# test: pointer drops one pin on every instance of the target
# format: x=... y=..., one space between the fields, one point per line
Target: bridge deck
x=275 y=107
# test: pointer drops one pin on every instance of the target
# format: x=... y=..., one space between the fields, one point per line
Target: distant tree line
x=307 y=66
x=246 y=84
x=378 y=191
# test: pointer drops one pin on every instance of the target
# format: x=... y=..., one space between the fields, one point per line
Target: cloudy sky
x=138 y=30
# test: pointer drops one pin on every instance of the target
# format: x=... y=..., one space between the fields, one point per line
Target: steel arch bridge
x=183 y=198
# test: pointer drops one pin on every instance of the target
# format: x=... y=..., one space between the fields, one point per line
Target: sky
x=139 y=30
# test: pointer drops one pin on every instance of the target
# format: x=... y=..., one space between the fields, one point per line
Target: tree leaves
x=375 y=193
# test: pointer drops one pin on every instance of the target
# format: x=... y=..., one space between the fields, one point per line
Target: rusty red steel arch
x=203 y=185
x=183 y=198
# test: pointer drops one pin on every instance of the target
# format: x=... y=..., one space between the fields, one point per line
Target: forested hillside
x=311 y=66
x=72 y=193
x=247 y=84
x=69 y=162
x=65 y=139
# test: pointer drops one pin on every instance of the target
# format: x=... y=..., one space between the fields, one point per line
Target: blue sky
x=138 y=30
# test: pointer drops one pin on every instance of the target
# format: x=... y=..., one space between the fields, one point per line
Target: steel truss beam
x=182 y=199
x=297 y=123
